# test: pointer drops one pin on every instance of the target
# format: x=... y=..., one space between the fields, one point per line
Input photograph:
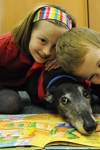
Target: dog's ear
x=94 y=100
x=49 y=94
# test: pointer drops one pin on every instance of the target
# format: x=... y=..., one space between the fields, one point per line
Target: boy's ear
x=49 y=94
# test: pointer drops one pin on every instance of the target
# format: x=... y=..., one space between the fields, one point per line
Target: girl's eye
x=43 y=40
x=99 y=65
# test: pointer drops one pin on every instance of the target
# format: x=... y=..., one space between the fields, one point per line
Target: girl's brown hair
x=22 y=32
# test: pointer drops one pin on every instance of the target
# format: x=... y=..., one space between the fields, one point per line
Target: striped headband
x=55 y=14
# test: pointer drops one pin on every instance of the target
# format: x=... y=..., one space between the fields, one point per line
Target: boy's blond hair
x=22 y=32
x=73 y=45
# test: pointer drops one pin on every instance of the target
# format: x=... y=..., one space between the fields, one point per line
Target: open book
x=43 y=131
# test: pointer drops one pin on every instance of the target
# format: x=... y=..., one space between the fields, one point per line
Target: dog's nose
x=90 y=127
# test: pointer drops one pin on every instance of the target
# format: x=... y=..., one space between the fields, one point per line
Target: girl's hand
x=52 y=64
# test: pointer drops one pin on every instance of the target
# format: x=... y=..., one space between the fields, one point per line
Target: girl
x=80 y=49
x=30 y=45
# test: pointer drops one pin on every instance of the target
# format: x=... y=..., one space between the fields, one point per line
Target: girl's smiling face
x=43 y=41
x=90 y=69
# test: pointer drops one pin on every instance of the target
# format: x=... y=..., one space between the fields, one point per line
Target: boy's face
x=43 y=41
x=90 y=69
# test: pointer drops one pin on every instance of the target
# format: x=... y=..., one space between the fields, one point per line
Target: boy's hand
x=52 y=64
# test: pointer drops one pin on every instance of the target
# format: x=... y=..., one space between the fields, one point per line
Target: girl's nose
x=47 y=51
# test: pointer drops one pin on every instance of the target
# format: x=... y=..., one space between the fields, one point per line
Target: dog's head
x=73 y=102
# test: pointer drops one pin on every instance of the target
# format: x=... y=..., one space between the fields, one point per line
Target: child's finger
x=52 y=65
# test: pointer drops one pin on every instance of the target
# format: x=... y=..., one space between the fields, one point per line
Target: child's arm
x=52 y=64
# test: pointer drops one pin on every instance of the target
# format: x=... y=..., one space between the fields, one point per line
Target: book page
x=42 y=129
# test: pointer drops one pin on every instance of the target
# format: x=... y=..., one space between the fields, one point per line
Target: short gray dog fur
x=38 y=109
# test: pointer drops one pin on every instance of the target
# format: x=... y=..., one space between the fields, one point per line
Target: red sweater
x=15 y=66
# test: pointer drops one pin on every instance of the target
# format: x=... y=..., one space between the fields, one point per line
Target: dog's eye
x=64 y=100
x=86 y=93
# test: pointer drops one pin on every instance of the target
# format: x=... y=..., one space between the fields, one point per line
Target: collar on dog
x=55 y=14
x=59 y=77
x=82 y=80
x=40 y=83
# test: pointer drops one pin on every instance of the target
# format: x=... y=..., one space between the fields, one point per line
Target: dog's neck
x=63 y=77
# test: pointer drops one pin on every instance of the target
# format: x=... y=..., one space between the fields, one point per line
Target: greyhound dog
x=70 y=98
